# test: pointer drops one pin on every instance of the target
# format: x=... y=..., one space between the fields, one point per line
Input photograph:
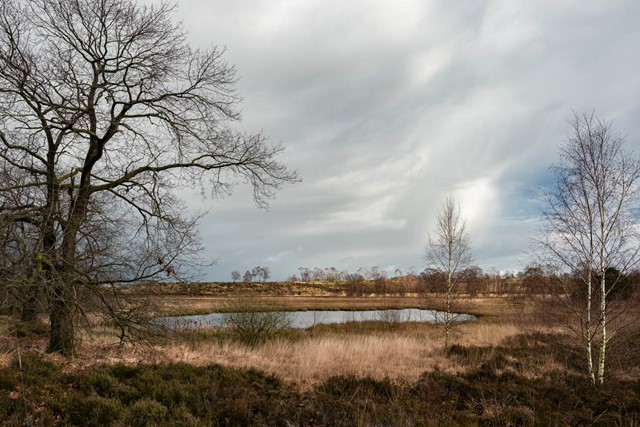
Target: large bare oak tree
x=104 y=111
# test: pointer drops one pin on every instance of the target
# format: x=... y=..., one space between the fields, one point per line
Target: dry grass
x=488 y=305
x=178 y=305
x=314 y=360
x=6 y=356
x=305 y=362
x=307 y=358
x=6 y=345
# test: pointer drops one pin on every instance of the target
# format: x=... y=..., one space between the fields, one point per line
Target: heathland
x=511 y=366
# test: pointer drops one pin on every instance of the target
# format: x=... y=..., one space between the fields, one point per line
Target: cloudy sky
x=386 y=107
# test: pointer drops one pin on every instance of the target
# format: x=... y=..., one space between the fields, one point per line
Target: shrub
x=254 y=324
x=81 y=410
x=146 y=412
x=391 y=318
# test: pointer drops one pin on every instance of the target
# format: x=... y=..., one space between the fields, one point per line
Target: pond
x=307 y=319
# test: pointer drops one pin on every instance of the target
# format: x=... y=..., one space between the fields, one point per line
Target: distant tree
x=260 y=273
x=235 y=276
x=534 y=279
x=305 y=275
x=355 y=284
x=331 y=274
x=507 y=275
x=266 y=274
x=256 y=273
x=448 y=251
x=400 y=280
x=472 y=277
x=589 y=234
x=434 y=280
x=317 y=275
x=492 y=279
x=248 y=277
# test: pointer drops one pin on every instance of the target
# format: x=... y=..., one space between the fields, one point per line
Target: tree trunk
x=588 y=332
x=448 y=317
x=62 y=337
x=29 y=306
x=603 y=327
x=592 y=374
x=63 y=298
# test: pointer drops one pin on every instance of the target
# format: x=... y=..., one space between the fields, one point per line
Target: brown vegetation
x=509 y=367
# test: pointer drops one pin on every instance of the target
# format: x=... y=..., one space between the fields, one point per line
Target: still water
x=307 y=319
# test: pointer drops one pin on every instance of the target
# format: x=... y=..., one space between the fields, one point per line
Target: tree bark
x=588 y=332
x=62 y=337
x=63 y=301
x=29 y=309
x=603 y=328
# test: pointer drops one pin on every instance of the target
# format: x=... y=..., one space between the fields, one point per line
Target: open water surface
x=307 y=319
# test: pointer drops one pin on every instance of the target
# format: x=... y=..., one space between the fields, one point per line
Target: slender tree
x=104 y=111
x=266 y=274
x=235 y=276
x=448 y=253
x=590 y=228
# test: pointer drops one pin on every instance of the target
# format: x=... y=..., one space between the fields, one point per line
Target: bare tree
x=261 y=274
x=104 y=111
x=305 y=275
x=248 y=277
x=448 y=252
x=235 y=276
x=589 y=228
x=266 y=274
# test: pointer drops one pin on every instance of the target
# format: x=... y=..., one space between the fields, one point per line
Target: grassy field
x=507 y=368
x=202 y=298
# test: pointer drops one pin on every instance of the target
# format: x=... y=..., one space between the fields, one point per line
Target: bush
x=390 y=317
x=146 y=412
x=81 y=410
x=255 y=324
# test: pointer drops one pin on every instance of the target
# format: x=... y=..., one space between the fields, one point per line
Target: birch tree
x=105 y=110
x=449 y=253
x=590 y=229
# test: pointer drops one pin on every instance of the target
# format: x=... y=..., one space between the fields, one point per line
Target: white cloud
x=387 y=107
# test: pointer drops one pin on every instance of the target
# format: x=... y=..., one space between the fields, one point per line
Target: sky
x=387 y=107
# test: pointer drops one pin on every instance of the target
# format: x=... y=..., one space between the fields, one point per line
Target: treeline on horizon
x=533 y=279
